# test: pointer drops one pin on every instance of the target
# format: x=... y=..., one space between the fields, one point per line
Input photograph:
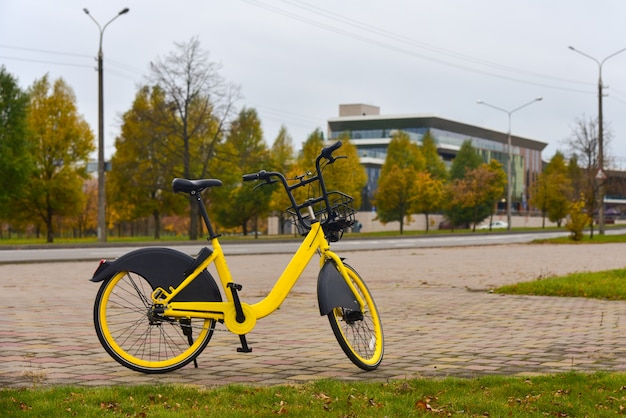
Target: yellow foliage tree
x=397 y=180
x=61 y=141
x=427 y=195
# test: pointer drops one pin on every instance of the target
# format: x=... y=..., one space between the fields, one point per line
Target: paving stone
x=438 y=315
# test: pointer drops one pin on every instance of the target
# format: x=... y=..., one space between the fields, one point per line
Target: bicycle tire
x=135 y=337
x=360 y=334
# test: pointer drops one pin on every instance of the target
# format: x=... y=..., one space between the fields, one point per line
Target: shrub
x=578 y=219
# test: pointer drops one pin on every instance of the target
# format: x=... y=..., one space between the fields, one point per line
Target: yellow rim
x=376 y=320
x=130 y=358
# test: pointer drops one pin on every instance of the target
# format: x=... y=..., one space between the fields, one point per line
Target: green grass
x=563 y=395
x=597 y=239
x=610 y=285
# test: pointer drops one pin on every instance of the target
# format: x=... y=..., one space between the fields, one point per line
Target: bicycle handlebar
x=261 y=175
x=328 y=151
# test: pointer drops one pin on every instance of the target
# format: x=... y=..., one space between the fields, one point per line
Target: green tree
x=16 y=163
x=200 y=104
x=427 y=195
x=282 y=160
x=397 y=180
x=434 y=164
x=243 y=152
x=61 y=142
x=466 y=159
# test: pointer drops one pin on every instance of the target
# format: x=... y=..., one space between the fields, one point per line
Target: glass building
x=371 y=133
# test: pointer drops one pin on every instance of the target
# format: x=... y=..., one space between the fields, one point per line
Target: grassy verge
x=609 y=285
x=564 y=395
x=597 y=239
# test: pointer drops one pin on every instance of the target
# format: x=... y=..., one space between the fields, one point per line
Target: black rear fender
x=333 y=291
x=162 y=267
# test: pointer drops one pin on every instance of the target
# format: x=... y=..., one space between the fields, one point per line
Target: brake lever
x=333 y=159
x=265 y=183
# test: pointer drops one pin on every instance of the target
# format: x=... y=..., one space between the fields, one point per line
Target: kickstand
x=244 y=345
x=195 y=362
x=186 y=327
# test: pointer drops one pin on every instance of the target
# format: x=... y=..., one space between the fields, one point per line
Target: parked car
x=495 y=225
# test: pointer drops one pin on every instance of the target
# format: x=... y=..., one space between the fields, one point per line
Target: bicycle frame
x=313 y=242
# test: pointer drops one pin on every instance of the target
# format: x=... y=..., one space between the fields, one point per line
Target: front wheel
x=136 y=336
x=359 y=333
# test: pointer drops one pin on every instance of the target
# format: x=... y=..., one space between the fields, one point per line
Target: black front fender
x=162 y=267
x=333 y=291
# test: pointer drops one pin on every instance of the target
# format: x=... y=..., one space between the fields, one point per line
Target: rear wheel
x=359 y=333
x=138 y=338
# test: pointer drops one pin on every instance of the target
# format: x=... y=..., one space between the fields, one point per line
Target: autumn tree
x=305 y=164
x=466 y=159
x=243 y=152
x=583 y=145
x=397 y=180
x=434 y=164
x=86 y=219
x=139 y=184
x=552 y=193
x=61 y=142
x=428 y=195
x=346 y=175
x=15 y=153
x=200 y=104
x=495 y=187
x=477 y=191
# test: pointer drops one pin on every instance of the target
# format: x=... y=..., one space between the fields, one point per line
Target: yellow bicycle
x=157 y=308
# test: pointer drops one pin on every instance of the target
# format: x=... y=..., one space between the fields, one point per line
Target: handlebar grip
x=250 y=177
x=328 y=151
x=261 y=175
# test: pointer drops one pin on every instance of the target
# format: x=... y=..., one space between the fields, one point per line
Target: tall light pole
x=600 y=176
x=509 y=155
x=102 y=230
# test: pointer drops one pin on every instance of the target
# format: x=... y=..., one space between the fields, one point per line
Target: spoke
x=147 y=302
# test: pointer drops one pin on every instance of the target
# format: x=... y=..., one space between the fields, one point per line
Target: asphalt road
x=95 y=252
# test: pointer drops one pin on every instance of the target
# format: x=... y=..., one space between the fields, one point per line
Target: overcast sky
x=296 y=61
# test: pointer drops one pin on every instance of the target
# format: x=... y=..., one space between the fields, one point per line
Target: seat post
x=205 y=215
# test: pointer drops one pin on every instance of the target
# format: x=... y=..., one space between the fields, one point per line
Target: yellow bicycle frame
x=313 y=242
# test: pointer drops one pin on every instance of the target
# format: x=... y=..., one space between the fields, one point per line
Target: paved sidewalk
x=438 y=316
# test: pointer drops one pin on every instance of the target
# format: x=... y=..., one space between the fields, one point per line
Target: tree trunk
x=49 y=227
x=157 y=224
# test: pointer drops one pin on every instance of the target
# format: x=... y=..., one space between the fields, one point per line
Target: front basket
x=335 y=219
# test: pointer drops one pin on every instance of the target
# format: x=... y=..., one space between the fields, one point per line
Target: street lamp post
x=102 y=231
x=600 y=175
x=509 y=154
